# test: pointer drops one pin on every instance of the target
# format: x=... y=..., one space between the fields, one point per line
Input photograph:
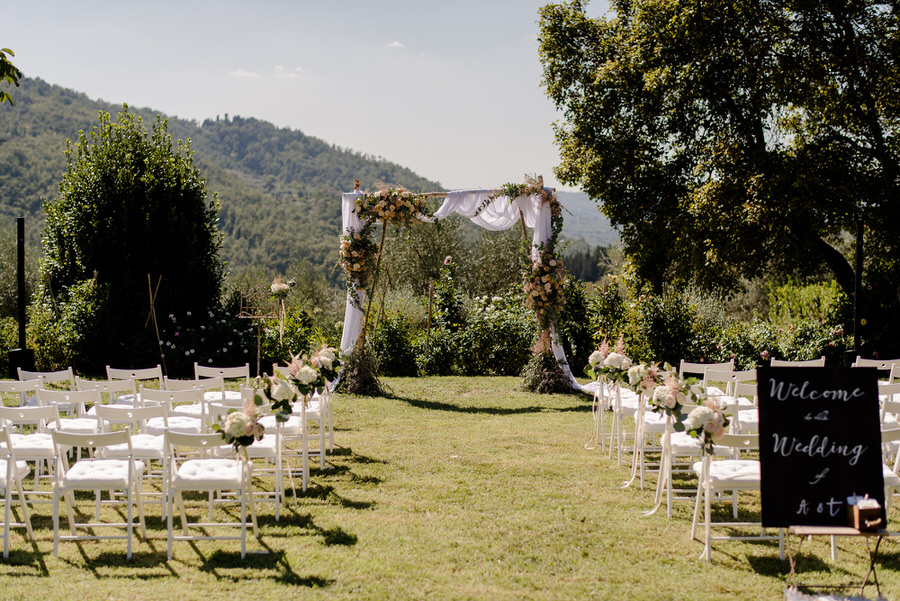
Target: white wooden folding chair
x=31 y=441
x=22 y=393
x=728 y=475
x=171 y=399
x=75 y=401
x=205 y=473
x=148 y=448
x=238 y=375
x=96 y=474
x=12 y=472
x=820 y=362
x=148 y=377
x=63 y=379
x=112 y=392
x=269 y=450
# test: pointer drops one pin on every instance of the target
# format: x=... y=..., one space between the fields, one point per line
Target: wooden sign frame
x=819 y=441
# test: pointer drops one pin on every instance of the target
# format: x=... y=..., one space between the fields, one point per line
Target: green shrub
x=393 y=347
x=436 y=354
x=607 y=311
x=9 y=339
x=821 y=302
x=497 y=337
x=574 y=326
x=660 y=328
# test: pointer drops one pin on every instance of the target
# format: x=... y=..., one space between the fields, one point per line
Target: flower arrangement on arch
x=358 y=258
x=707 y=422
x=397 y=206
x=543 y=287
x=612 y=365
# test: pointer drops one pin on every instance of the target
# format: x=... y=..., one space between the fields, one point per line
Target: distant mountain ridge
x=279 y=189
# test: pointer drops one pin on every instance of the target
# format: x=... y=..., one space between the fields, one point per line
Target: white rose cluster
x=617 y=361
x=237 y=424
x=306 y=375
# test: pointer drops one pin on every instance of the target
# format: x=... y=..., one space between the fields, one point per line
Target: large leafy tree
x=133 y=215
x=8 y=74
x=734 y=137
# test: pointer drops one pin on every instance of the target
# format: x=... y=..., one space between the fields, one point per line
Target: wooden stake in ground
x=361 y=342
x=152 y=317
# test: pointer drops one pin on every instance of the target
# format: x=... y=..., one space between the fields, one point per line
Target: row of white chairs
x=192 y=462
x=153 y=418
x=727 y=470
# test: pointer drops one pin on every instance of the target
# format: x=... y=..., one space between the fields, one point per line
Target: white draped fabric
x=500 y=214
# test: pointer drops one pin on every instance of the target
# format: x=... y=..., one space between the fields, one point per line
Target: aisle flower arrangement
x=670 y=396
x=612 y=365
x=707 y=422
x=241 y=428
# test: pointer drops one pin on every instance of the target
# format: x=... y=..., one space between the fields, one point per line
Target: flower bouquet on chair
x=612 y=366
x=241 y=427
x=707 y=422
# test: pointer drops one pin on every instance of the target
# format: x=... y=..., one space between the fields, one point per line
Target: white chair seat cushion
x=266 y=448
x=215 y=396
x=100 y=473
x=654 y=422
x=750 y=416
x=313 y=409
x=21 y=470
x=683 y=443
x=209 y=473
x=177 y=423
x=80 y=425
x=32 y=446
x=292 y=427
x=193 y=410
x=145 y=446
x=731 y=473
x=890 y=478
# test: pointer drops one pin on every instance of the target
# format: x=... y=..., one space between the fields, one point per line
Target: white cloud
x=396 y=44
x=282 y=73
x=242 y=73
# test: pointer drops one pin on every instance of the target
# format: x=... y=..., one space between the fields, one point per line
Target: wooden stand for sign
x=803 y=532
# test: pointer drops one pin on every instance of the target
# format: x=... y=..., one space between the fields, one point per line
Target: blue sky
x=450 y=89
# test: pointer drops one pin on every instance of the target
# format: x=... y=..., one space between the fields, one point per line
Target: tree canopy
x=734 y=137
x=8 y=73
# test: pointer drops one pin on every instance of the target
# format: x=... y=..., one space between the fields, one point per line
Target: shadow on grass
x=257 y=566
x=330 y=536
x=436 y=406
x=326 y=493
x=20 y=558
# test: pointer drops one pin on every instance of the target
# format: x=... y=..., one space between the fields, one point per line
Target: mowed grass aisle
x=455 y=488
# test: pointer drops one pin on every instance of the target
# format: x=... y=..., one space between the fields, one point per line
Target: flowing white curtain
x=499 y=214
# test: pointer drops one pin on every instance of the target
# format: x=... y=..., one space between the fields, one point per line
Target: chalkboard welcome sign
x=819 y=443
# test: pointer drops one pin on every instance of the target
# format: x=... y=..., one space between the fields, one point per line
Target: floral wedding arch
x=495 y=210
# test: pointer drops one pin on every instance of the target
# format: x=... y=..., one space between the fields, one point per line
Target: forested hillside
x=279 y=189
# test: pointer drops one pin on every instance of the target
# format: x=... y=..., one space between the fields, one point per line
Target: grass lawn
x=455 y=488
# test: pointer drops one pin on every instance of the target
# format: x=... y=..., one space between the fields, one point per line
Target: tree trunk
x=839 y=265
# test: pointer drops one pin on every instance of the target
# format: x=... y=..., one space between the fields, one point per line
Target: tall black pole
x=20 y=277
x=20 y=357
x=857 y=286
